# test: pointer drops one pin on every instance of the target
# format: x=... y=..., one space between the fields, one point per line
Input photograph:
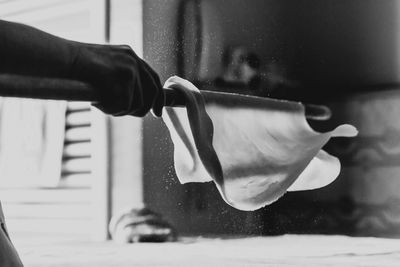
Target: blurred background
x=66 y=169
x=343 y=54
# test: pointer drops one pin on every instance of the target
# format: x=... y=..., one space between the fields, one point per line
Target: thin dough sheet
x=253 y=149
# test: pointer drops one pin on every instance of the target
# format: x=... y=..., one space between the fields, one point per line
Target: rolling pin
x=71 y=90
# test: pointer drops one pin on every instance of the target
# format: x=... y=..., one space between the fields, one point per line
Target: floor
x=288 y=250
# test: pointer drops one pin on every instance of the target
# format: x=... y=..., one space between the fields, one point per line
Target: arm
x=27 y=51
x=126 y=84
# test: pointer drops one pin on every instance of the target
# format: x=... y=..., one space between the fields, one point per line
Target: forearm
x=124 y=82
x=25 y=50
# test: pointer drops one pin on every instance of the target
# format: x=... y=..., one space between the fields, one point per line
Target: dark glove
x=126 y=84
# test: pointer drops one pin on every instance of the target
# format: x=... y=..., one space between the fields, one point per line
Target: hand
x=126 y=84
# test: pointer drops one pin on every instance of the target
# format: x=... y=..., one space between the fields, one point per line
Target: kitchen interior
x=341 y=54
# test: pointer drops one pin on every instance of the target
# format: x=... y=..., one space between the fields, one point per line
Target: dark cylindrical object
x=46 y=88
x=71 y=90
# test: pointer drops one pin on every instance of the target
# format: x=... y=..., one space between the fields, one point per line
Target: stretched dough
x=254 y=149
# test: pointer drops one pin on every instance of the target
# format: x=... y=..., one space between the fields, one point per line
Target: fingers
x=147 y=92
x=159 y=96
x=129 y=85
x=153 y=92
x=140 y=105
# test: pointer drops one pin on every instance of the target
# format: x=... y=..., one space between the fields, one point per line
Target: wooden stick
x=46 y=88
x=71 y=90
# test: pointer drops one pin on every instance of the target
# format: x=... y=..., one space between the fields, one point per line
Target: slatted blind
x=64 y=210
x=76 y=166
